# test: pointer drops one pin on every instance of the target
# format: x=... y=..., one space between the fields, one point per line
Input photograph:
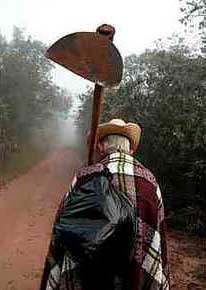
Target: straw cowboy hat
x=118 y=126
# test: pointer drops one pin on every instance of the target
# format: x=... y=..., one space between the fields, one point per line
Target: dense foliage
x=165 y=92
x=194 y=19
x=28 y=97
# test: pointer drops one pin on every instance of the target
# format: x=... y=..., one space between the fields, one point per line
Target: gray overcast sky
x=138 y=24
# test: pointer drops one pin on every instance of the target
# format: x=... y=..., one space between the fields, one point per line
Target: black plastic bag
x=98 y=226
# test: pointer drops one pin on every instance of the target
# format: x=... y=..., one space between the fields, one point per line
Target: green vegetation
x=164 y=90
x=21 y=161
x=194 y=18
x=30 y=103
x=200 y=271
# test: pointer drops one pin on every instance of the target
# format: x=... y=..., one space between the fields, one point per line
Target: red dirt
x=187 y=256
x=27 y=209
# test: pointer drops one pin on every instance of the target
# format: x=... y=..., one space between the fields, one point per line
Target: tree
x=28 y=96
x=164 y=91
x=194 y=16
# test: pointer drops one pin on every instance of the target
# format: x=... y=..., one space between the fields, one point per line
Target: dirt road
x=27 y=209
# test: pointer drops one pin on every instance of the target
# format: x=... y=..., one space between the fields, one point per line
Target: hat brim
x=130 y=130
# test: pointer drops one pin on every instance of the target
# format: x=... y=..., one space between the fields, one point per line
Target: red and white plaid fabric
x=149 y=269
x=150 y=264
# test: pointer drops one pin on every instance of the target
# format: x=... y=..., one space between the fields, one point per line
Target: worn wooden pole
x=107 y=31
x=96 y=111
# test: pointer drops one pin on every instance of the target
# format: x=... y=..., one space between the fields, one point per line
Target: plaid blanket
x=149 y=268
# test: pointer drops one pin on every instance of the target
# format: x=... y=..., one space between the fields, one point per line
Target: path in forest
x=27 y=209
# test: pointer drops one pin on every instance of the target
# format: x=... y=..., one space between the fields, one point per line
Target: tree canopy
x=28 y=96
x=165 y=92
x=194 y=17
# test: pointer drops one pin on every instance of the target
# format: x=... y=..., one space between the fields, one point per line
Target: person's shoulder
x=89 y=170
x=145 y=173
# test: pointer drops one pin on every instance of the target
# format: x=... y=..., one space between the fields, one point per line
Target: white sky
x=138 y=24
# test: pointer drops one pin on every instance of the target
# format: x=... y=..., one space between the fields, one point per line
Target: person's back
x=117 y=141
x=149 y=268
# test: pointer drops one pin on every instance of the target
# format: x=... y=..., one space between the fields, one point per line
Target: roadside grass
x=200 y=272
x=20 y=162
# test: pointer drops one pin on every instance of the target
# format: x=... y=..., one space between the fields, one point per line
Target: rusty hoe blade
x=90 y=55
